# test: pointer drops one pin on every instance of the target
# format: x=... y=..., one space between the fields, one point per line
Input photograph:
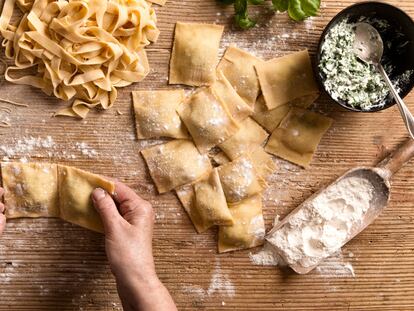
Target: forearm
x=144 y=295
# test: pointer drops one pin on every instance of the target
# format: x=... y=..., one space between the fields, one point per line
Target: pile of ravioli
x=216 y=161
x=80 y=50
x=50 y=190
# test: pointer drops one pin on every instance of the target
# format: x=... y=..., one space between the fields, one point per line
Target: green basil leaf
x=301 y=9
x=311 y=7
x=244 y=22
x=280 y=5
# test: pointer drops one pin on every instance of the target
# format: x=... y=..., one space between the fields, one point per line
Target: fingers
x=131 y=206
x=107 y=209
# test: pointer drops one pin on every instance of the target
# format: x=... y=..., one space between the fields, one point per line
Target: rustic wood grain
x=46 y=264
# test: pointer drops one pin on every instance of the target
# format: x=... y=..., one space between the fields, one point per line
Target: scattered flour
x=27 y=147
x=219 y=284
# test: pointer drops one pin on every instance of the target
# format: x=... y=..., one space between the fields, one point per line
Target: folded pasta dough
x=31 y=189
x=75 y=189
x=175 y=163
x=240 y=179
x=156 y=115
x=194 y=55
x=286 y=78
x=211 y=202
x=262 y=162
x=298 y=136
x=207 y=119
x=238 y=67
x=187 y=198
x=248 y=229
x=249 y=136
x=76 y=49
x=237 y=107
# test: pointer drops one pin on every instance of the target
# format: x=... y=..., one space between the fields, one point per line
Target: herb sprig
x=298 y=10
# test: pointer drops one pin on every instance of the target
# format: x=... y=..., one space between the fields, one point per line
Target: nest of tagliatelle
x=79 y=50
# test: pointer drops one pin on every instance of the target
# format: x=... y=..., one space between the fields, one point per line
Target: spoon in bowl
x=368 y=47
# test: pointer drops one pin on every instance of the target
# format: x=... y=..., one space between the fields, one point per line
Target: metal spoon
x=378 y=176
x=368 y=47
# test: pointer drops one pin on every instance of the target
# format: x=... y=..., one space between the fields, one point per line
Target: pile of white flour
x=323 y=224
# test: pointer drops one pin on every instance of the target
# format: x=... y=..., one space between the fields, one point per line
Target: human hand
x=128 y=224
x=2 y=216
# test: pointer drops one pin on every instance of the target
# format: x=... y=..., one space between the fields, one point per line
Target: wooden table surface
x=46 y=264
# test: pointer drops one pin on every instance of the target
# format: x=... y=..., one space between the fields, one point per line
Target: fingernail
x=98 y=194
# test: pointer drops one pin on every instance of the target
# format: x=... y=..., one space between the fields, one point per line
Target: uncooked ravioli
x=194 y=55
x=31 y=189
x=75 y=190
x=156 y=114
x=175 y=163
x=286 y=78
x=207 y=119
x=298 y=136
x=248 y=229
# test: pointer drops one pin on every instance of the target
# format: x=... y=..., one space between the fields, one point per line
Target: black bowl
x=402 y=59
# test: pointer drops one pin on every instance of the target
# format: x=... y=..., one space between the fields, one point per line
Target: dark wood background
x=46 y=264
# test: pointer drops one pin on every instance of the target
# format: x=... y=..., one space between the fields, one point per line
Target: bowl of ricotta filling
x=354 y=84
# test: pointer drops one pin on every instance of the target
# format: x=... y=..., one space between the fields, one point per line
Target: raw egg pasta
x=78 y=49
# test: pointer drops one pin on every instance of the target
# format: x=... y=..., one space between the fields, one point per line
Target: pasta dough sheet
x=31 y=189
x=187 y=198
x=238 y=67
x=194 y=55
x=207 y=119
x=240 y=179
x=211 y=202
x=249 y=136
x=286 y=79
x=298 y=136
x=237 y=107
x=248 y=229
x=78 y=50
x=156 y=116
x=75 y=189
x=175 y=163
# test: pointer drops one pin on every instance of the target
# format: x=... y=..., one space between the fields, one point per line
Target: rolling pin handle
x=398 y=158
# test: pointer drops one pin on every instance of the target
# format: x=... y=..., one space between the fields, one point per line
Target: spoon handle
x=405 y=113
x=398 y=158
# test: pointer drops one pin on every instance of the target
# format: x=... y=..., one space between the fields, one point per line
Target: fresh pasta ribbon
x=80 y=50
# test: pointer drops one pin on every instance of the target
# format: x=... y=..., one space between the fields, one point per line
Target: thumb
x=106 y=208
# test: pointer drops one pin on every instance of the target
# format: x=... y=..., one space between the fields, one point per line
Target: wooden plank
x=46 y=264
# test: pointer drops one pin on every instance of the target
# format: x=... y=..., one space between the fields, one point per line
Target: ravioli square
x=211 y=202
x=240 y=179
x=75 y=190
x=248 y=229
x=298 y=136
x=286 y=78
x=207 y=119
x=269 y=119
x=175 y=163
x=31 y=189
x=249 y=136
x=195 y=54
x=186 y=195
x=156 y=114
x=238 y=67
